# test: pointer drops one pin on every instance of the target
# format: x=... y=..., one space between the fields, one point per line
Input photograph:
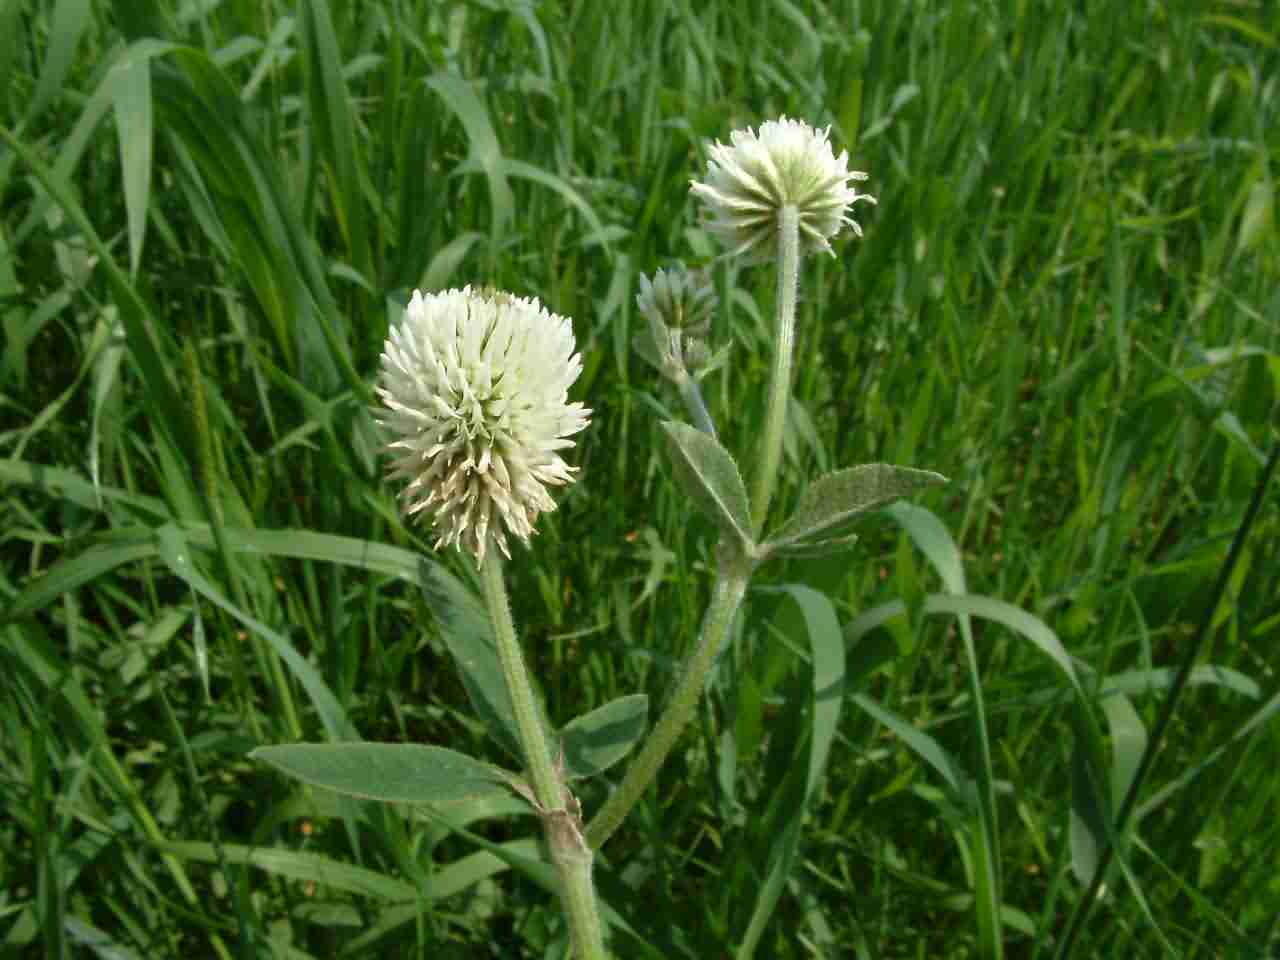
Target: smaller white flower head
x=474 y=386
x=681 y=298
x=677 y=302
x=787 y=163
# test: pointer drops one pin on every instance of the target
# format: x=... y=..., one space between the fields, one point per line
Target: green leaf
x=297 y=865
x=924 y=746
x=1247 y=731
x=642 y=343
x=870 y=649
x=332 y=117
x=834 y=500
x=388 y=772
x=484 y=153
x=707 y=473
x=1015 y=618
x=468 y=633
x=932 y=539
x=175 y=551
x=118 y=548
x=597 y=740
x=826 y=641
x=1128 y=743
x=308 y=545
x=70 y=20
x=379 y=938
x=1090 y=818
x=106 y=377
x=131 y=101
x=782 y=857
x=1138 y=682
x=519 y=169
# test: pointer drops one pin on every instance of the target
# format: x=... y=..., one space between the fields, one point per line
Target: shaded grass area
x=1066 y=301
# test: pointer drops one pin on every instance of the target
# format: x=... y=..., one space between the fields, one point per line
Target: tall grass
x=1067 y=300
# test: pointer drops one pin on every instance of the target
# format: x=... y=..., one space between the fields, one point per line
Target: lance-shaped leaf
x=389 y=772
x=834 y=500
x=597 y=740
x=707 y=473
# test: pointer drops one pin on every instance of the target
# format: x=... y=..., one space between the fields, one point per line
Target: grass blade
x=131 y=100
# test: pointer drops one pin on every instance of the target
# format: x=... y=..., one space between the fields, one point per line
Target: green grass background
x=1067 y=300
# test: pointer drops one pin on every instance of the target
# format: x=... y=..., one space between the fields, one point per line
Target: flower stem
x=571 y=855
x=784 y=335
x=731 y=584
x=528 y=721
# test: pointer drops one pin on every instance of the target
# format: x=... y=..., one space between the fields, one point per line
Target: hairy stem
x=784 y=336
x=731 y=584
x=569 y=852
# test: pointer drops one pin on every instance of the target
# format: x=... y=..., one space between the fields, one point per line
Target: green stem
x=784 y=335
x=578 y=894
x=571 y=855
x=731 y=584
x=528 y=721
x=691 y=393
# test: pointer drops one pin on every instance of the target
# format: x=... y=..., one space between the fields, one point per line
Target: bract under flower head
x=681 y=298
x=677 y=304
x=474 y=386
x=787 y=163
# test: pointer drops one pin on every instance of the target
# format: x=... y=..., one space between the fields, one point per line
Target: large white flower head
x=475 y=386
x=787 y=163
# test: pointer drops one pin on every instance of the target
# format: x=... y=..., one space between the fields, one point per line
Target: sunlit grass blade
x=131 y=103
x=826 y=647
x=70 y=20
x=175 y=551
x=484 y=154
x=300 y=865
x=932 y=538
x=335 y=130
x=126 y=546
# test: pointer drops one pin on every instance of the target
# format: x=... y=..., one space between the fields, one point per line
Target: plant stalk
x=784 y=338
x=569 y=852
x=731 y=584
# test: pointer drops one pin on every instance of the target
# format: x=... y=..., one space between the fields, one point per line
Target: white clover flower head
x=787 y=163
x=474 y=386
